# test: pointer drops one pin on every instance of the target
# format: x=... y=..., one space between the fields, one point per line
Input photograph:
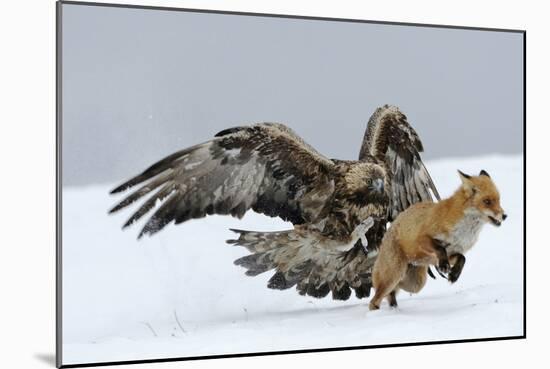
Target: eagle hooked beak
x=378 y=185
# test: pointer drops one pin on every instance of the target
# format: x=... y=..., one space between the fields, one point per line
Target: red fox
x=434 y=234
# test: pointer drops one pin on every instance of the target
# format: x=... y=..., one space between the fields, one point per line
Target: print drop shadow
x=47 y=358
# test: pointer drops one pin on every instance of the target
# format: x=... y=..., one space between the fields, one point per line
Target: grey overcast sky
x=141 y=84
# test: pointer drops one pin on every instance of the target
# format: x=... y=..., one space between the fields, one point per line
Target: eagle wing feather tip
x=239 y=231
x=115 y=190
x=145 y=232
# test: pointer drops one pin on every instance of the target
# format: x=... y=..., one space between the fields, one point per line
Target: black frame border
x=59 y=125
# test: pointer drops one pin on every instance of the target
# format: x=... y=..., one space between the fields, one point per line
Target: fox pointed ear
x=484 y=173
x=463 y=176
x=467 y=184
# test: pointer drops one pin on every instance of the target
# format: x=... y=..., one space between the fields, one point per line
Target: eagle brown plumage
x=337 y=207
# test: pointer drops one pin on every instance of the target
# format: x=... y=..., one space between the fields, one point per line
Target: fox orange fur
x=434 y=234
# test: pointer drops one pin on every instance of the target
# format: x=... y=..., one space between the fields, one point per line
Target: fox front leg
x=443 y=265
x=457 y=261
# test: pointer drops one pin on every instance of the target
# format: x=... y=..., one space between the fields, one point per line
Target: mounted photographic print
x=237 y=184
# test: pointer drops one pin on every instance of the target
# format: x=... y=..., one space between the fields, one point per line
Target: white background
x=27 y=266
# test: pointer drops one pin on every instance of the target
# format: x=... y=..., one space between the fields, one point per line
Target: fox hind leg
x=415 y=278
x=385 y=282
x=383 y=290
x=391 y=298
x=389 y=269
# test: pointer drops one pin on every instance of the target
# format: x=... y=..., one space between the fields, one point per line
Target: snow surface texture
x=178 y=294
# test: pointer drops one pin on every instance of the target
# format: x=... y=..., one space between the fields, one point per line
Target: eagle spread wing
x=390 y=139
x=264 y=167
x=333 y=204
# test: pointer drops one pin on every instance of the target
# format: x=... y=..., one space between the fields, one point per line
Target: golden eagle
x=339 y=208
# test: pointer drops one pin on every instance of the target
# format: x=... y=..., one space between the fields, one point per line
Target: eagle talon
x=364 y=226
x=368 y=223
x=364 y=242
x=362 y=229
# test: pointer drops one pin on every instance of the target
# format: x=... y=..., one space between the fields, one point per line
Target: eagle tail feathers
x=301 y=261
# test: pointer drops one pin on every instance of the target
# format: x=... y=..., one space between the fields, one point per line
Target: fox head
x=482 y=196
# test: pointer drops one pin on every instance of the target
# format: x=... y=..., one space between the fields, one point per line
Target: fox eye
x=487 y=202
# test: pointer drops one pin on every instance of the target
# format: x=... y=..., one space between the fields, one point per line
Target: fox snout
x=498 y=219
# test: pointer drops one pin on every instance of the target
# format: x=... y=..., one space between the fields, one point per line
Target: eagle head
x=366 y=184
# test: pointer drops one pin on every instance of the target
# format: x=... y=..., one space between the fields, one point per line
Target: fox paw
x=373 y=306
x=453 y=275
x=444 y=267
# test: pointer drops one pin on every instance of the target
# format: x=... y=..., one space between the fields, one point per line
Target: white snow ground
x=178 y=294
